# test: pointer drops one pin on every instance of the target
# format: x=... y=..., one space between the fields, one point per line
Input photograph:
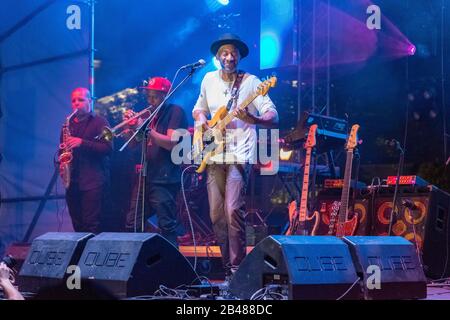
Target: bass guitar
x=300 y=223
x=344 y=226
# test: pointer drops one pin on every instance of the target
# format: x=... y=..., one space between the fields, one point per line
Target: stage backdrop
x=44 y=54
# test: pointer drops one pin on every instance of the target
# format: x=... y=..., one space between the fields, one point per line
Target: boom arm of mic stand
x=144 y=125
x=394 y=201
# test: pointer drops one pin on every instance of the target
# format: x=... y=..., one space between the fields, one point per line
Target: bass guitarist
x=228 y=171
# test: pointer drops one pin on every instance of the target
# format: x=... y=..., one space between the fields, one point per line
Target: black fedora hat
x=229 y=38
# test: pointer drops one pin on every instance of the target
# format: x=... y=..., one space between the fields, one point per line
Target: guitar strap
x=235 y=90
x=243 y=169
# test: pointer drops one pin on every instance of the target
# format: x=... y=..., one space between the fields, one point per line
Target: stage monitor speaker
x=134 y=264
x=423 y=221
x=48 y=259
x=305 y=267
x=389 y=267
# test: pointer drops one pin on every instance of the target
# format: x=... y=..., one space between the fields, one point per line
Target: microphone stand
x=144 y=129
x=354 y=185
x=399 y=172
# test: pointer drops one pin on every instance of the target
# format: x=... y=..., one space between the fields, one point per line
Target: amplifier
x=423 y=218
x=407 y=180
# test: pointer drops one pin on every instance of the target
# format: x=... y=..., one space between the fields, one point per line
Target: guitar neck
x=305 y=187
x=343 y=210
x=229 y=117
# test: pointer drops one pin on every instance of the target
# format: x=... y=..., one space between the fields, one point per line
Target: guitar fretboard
x=230 y=116
x=305 y=189
x=343 y=210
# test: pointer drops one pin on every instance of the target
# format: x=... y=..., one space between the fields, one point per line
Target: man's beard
x=229 y=70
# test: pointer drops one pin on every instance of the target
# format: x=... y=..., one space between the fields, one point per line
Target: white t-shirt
x=241 y=144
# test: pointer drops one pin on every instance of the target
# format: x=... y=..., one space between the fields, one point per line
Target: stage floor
x=438 y=293
x=433 y=292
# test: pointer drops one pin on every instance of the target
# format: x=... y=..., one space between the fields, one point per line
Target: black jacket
x=90 y=164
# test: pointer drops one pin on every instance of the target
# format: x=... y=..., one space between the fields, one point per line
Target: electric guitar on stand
x=300 y=223
x=344 y=226
x=333 y=215
x=215 y=137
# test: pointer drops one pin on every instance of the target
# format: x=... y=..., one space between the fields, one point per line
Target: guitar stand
x=393 y=215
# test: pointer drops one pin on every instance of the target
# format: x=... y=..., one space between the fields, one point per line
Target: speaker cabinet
x=305 y=267
x=134 y=264
x=389 y=266
x=425 y=224
x=48 y=258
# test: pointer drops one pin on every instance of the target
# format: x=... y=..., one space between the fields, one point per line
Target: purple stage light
x=351 y=41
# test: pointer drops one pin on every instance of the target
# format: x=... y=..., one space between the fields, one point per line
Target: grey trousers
x=226 y=185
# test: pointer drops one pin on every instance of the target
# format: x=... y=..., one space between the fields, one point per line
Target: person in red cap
x=162 y=181
x=228 y=174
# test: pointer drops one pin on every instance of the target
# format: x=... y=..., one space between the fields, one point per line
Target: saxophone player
x=89 y=178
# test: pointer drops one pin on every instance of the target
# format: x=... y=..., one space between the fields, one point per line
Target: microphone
x=394 y=144
x=409 y=204
x=391 y=143
x=196 y=65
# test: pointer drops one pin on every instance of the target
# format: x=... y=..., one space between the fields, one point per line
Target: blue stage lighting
x=215 y=5
x=270 y=50
x=277 y=33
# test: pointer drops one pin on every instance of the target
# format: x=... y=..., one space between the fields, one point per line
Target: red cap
x=159 y=84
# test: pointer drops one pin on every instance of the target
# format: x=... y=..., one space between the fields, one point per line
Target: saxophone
x=65 y=156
